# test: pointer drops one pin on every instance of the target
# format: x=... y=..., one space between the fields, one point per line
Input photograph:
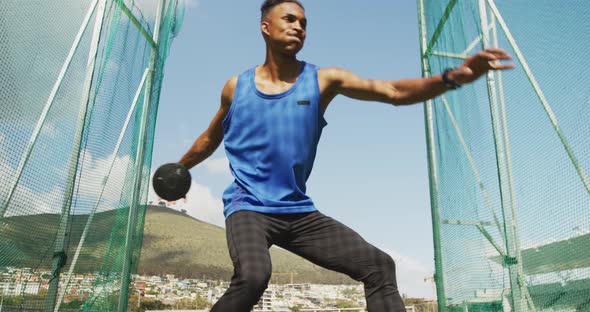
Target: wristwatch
x=449 y=83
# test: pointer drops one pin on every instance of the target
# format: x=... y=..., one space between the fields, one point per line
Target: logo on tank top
x=303 y=102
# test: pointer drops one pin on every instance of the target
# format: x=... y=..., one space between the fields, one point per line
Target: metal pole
x=136 y=23
x=504 y=173
x=432 y=169
x=104 y=184
x=439 y=27
x=19 y=171
x=472 y=163
x=139 y=166
x=504 y=123
x=541 y=97
x=59 y=255
x=514 y=216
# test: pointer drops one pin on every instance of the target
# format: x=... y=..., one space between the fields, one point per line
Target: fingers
x=499 y=54
x=488 y=56
x=493 y=56
x=501 y=66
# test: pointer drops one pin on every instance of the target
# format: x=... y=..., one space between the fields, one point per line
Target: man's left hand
x=479 y=64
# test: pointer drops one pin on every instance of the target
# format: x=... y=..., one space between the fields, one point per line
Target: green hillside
x=28 y=241
x=173 y=243
x=179 y=244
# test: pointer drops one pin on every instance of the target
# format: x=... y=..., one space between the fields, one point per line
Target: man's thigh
x=333 y=245
x=248 y=242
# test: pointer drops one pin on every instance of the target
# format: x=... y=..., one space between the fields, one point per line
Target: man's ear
x=264 y=28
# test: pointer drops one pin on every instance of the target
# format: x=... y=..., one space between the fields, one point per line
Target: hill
x=173 y=243
x=182 y=245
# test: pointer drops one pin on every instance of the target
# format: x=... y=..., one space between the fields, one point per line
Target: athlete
x=271 y=119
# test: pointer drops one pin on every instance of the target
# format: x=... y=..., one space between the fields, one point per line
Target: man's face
x=284 y=27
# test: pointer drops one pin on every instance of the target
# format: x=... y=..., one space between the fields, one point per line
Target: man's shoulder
x=330 y=74
x=229 y=88
x=312 y=65
x=232 y=81
x=334 y=70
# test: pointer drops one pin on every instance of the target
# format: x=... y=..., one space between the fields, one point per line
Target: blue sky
x=371 y=165
x=371 y=169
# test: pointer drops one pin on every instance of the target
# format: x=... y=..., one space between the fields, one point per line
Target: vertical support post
x=432 y=169
x=59 y=255
x=139 y=166
x=512 y=259
x=104 y=184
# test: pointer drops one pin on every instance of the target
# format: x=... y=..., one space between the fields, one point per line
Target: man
x=271 y=119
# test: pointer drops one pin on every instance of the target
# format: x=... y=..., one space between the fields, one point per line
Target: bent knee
x=383 y=272
x=387 y=266
x=256 y=281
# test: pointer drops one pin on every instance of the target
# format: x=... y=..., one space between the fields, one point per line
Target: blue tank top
x=271 y=141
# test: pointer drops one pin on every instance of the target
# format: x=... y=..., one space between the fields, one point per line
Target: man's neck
x=281 y=68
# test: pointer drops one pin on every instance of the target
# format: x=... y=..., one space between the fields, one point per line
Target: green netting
x=510 y=156
x=79 y=89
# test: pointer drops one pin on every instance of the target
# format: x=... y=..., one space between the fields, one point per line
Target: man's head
x=283 y=25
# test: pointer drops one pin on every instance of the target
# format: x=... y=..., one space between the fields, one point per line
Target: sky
x=371 y=167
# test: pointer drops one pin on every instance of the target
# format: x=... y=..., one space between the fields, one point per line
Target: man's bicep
x=227 y=94
x=216 y=126
x=351 y=85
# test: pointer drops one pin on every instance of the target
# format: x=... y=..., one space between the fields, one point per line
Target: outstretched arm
x=210 y=139
x=411 y=91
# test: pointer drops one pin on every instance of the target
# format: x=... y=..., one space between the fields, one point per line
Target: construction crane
x=284 y=273
x=433 y=283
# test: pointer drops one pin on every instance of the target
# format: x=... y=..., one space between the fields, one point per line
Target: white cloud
x=200 y=203
x=50 y=130
x=411 y=275
x=87 y=192
x=217 y=165
x=24 y=200
x=91 y=182
x=48 y=202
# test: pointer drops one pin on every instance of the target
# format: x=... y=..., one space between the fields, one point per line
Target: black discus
x=172 y=181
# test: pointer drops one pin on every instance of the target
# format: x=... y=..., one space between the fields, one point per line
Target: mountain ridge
x=172 y=243
x=187 y=247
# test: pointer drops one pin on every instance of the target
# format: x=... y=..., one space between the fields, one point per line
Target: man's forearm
x=201 y=150
x=412 y=91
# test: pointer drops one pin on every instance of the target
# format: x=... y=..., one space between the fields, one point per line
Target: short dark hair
x=269 y=4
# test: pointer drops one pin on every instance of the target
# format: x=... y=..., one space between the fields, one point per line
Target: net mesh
x=510 y=157
x=79 y=89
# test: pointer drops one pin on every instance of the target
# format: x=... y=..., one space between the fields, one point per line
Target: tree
x=153 y=305
x=202 y=303
x=343 y=303
x=349 y=292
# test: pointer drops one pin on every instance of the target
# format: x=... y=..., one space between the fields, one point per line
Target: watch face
x=448 y=82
